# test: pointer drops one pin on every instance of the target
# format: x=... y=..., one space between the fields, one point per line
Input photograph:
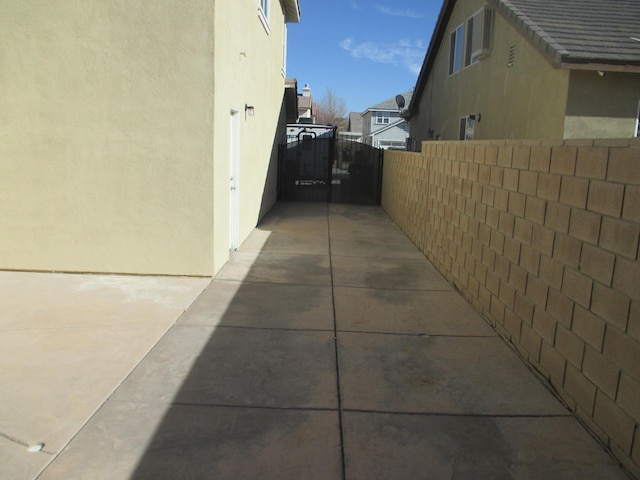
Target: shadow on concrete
x=329 y=348
x=253 y=363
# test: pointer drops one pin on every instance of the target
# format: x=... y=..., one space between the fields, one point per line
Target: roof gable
x=390 y=103
x=570 y=33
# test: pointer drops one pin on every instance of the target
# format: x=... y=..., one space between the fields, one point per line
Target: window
x=382 y=118
x=468 y=59
x=467 y=127
x=471 y=41
x=479 y=37
x=263 y=14
x=455 y=50
x=462 y=128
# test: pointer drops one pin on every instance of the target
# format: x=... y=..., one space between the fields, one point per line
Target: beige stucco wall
x=251 y=58
x=106 y=136
x=113 y=153
x=525 y=101
x=603 y=104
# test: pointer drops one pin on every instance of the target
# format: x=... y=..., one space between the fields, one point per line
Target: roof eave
x=558 y=56
x=601 y=66
x=409 y=113
x=291 y=10
x=429 y=59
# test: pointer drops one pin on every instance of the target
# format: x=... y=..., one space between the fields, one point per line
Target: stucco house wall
x=527 y=100
x=114 y=131
x=250 y=61
x=519 y=90
x=604 y=104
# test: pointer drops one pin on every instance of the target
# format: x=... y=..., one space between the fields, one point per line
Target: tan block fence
x=542 y=239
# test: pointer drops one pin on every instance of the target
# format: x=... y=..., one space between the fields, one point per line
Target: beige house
x=500 y=69
x=305 y=106
x=138 y=137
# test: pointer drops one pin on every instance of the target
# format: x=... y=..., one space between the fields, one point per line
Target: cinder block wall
x=542 y=239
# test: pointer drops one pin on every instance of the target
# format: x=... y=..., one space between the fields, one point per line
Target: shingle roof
x=579 y=31
x=390 y=103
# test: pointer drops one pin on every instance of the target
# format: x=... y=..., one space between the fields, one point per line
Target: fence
x=542 y=239
x=330 y=170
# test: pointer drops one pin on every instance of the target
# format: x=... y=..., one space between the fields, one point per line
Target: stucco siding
x=251 y=58
x=527 y=100
x=115 y=132
x=106 y=136
x=602 y=104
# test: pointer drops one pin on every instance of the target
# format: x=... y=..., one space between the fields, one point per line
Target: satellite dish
x=400 y=101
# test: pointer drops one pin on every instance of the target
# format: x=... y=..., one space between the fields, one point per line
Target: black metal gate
x=330 y=170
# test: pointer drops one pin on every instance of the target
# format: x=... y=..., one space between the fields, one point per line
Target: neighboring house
x=353 y=131
x=138 y=137
x=305 y=106
x=530 y=69
x=382 y=125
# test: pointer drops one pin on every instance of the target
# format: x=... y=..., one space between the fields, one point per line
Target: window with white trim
x=467 y=127
x=468 y=58
x=455 y=50
x=382 y=118
x=263 y=13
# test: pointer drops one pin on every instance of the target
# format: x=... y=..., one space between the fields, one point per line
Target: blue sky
x=366 y=51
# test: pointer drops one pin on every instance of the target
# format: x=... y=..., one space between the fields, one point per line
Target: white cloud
x=404 y=53
x=398 y=13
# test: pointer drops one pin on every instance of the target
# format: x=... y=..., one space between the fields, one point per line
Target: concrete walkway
x=327 y=348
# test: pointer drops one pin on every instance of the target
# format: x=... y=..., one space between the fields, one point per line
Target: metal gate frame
x=330 y=170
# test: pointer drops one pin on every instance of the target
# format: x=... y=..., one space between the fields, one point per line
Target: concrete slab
x=66 y=343
x=479 y=448
x=237 y=367
x=262 y=305
x=245 y=382
x=446 y=375
x=407 y=312
x=378 y=247
x=358 y=213
x=277 y=268
x=278 y=242
x=142 y=441
x=358 y=221
x=310 y=218
x=386 y=273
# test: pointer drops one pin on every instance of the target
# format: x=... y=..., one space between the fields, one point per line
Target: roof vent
x=512 y=56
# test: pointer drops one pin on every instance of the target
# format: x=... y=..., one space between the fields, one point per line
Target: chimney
x=306 y=91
